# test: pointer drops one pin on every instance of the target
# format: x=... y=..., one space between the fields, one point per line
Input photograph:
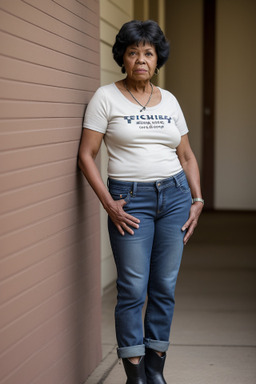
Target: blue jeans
x=148 y=262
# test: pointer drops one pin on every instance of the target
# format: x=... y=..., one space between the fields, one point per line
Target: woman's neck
x=138 y=86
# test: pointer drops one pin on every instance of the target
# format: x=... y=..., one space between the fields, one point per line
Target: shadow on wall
x=86 y=292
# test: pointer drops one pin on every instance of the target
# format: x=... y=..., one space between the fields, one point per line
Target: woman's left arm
x=190 y=167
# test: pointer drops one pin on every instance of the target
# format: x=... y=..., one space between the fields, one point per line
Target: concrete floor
x=213 y=337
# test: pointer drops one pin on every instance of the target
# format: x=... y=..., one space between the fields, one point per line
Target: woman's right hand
x=89 y=147
x=122 y=220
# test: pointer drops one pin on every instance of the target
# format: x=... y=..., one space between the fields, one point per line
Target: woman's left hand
x=192 y=221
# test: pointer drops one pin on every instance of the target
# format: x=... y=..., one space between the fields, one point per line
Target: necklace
x=137 y=101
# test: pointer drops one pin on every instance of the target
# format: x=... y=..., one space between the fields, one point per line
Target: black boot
x=135 y=372
x=154 y=366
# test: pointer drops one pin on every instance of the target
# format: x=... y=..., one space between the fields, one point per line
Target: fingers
x=131 y=220
x=128 y=222
x=124 y=228
x=186 y=225
x=190 y=227
x=191 y=223
x=123 y=221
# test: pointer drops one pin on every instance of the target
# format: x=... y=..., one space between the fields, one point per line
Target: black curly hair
x=136 y=31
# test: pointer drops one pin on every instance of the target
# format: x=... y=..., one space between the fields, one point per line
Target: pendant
x=143 y=109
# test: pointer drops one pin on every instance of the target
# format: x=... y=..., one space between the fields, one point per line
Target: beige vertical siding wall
x=235 y=156
x=184 y=22
x=153 y=10
x=49 y=224
x=113 y=14
x=235 y=122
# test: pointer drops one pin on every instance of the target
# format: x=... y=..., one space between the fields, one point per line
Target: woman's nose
x=141 y=59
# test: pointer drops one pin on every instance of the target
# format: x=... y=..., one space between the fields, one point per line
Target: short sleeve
x=95 y=117
x=180 y=120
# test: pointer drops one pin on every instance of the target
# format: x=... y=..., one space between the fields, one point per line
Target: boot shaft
x=154 y=366
x=135 y=372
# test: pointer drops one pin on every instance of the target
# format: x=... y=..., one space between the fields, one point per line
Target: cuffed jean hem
x=157 y=345
x=133 y=351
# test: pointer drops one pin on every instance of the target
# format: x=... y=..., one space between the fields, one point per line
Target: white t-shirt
x=141 y=145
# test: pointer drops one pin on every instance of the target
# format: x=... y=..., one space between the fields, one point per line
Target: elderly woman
x=153 y=199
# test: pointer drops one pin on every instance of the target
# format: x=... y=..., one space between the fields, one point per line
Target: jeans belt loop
x=176 y=181
x=134 y=189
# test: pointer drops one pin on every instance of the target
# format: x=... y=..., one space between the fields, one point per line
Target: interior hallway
x=213 y=337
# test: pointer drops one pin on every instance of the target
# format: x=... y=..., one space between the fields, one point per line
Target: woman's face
x=140 y=61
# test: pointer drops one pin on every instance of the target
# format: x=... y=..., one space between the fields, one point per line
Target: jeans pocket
x=119 y=194
x=182 y=184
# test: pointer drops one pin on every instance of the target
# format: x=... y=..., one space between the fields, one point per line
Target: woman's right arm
x=89 y=148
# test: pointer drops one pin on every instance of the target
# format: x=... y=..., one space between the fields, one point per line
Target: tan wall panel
x=87 y=13
x=40 y=124
x=64 y=300
x=16 y=139
x=11 y=90
x=107 y=62
x=57 y=243
x=30 y=157
x=112 y=14
x=27 y=216
x=141 y=10
x=126 y=6
x=25 y=353
x=35 y=193
x=110 y=77
x=38 y=74
x=235 y=182
x=31 y=52
x=29 y=277
x=107 y=34
x=49 y=225
x=183 y=73
x=23 y=110
x=16 y=263
x=33 y=33
x=28 y=236
x=21 y=178
x=34 y=213
x=58 y=12
x=41 y=313
x=49 y=23
x=30 y=322
x=15 y=266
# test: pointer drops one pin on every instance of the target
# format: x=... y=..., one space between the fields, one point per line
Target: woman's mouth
x=140 y=70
